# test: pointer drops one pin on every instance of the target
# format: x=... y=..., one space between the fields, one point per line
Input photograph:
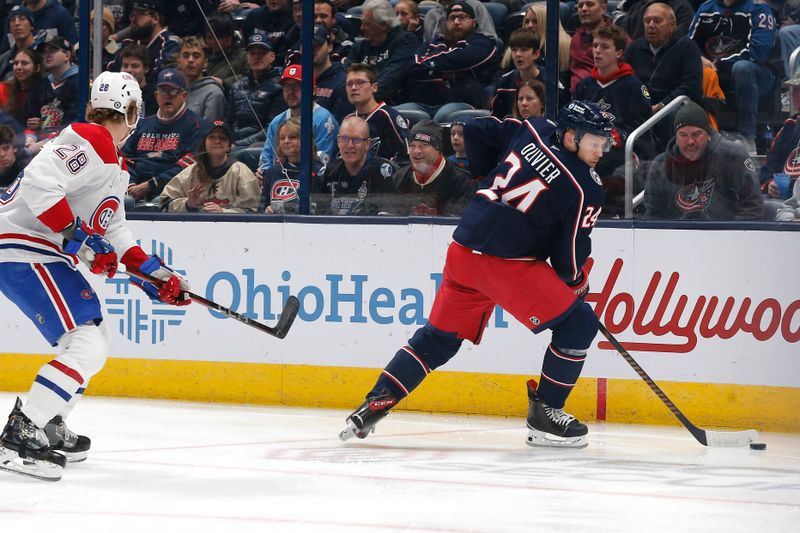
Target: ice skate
x=70 y=444
x=548 y=426
x=362 y=421
x=25 y=449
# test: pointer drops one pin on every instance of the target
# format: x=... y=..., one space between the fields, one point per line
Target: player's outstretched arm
x=173 y=286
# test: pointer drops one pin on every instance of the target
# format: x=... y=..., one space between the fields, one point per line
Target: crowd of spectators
x=393 y=83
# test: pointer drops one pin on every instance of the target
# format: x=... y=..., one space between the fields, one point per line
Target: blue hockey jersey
x=540 y=202
x=745 y=30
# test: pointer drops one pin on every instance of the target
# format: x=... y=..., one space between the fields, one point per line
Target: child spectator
x=216 y=183
x=459 y=157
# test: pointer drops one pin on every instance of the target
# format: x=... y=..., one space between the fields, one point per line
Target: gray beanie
x=428 y=131
x=692 y=114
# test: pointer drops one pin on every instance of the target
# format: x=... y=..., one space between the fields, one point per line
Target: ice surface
x=170 y=466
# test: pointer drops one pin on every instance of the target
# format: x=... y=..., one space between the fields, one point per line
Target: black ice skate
x=548 y=426
x=362 y=421
x=73 y=446
x=25 y=449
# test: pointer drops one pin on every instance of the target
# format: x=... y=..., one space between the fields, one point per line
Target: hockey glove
x=90 y=247
x=172 y=287
x=580 y=286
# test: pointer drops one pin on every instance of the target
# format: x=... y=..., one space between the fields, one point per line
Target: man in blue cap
x=162 y=144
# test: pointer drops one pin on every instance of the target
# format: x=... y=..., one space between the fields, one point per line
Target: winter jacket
x=158 y=149
x=390 y=60
x=236 y=189
x=721 y=185
x=206 y=99
x=457 y=72
x=251 y=101
x=675 y=70
x=447 y=190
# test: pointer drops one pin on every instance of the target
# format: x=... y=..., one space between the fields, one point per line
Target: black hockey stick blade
x=706 y=437
x=280 y=330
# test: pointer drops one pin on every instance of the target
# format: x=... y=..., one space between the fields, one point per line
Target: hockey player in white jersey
x=68 y=206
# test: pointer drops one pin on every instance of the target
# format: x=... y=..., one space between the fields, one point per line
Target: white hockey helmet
x=116 y=91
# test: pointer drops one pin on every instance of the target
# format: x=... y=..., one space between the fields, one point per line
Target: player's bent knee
x=86 y=347
x=434 y=346
x=578 y=330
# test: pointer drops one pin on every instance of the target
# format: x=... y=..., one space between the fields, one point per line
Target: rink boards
x=713 y=316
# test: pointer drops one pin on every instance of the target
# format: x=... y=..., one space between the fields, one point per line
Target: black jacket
x=266 y=98
x=674 y=71
x=390 y=59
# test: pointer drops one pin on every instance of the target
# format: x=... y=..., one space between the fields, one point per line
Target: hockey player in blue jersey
x=540 y=203
x=68 y=206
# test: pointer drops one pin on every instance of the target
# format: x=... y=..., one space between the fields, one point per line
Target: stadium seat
x=414 y=116
x=466 y=114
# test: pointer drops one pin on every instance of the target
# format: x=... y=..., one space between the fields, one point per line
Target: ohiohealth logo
x=140 y=319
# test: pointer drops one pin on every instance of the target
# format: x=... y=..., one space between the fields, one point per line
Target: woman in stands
x=408 y=14
x=27 y=71
x=216 y=183
x=530 y=100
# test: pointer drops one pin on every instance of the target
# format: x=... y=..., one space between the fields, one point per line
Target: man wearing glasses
x=451 y=71
x=387 y=127
x=162 y=144
x=355 y=183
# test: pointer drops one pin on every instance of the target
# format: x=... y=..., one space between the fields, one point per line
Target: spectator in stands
x=784 y=154
x=329 y=78
x=789 y=211
x=450 y=72
x=148 y=27
x=279 y=193
x=459 y=157
x=430 y=185
x=273 y=21
x=435 y=23
x=630 y=16
x=616 y=90
x=50 y=17
x=9 y=166
x=668 y=63
x=737 y=36
x=388 y=128
x=407 y=12
x=255 y=99
x=237 y=7
x=216 y=183
x=535 y=13
x=110 y=46
x=137 y=62
x=325 y=15
x=529 y=100
x=357 y=182
x=206 y=98
x=162 y=144
x=53 y=102
x=325 y=126
x=226 y=55
x=27 y=73
x=386 y=46
x=523 y=47
x=21 y=29
x=592 y=14
x=701 y=175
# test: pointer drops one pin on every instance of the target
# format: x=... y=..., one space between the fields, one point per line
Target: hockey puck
x=758 y=446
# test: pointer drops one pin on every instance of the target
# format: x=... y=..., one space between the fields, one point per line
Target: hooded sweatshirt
x=721 y=185
x=206 y=99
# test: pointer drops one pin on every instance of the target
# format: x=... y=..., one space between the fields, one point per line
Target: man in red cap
x=325 y=126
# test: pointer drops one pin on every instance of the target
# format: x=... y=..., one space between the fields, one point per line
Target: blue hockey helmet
x=584 y=117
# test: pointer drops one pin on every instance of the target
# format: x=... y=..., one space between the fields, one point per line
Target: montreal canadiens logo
x=285 y=189
x=101 y=218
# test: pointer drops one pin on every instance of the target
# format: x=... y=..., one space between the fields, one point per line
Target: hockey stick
x=290 y=309
x=706 y=437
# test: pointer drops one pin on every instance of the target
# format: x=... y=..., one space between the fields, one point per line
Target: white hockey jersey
x=78 y=174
